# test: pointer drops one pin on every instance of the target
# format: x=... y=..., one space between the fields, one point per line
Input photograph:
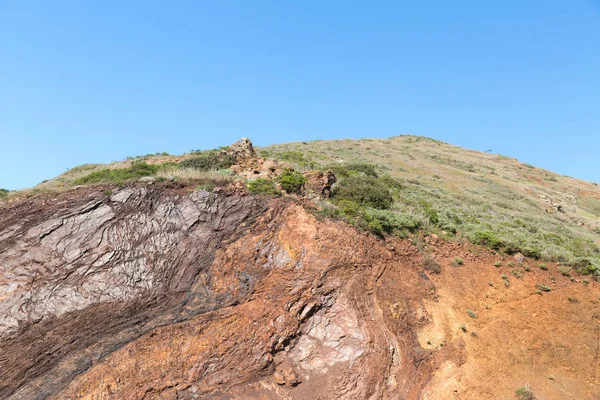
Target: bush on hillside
x=208 y=161
x=353 y=169
x=263 y=186
x=292 y=181
x=4 y=192
x=138 y=169
x=391 y=222
x=365 y=191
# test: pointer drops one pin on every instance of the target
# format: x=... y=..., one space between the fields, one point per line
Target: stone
x=320 y=183
x=242 y=150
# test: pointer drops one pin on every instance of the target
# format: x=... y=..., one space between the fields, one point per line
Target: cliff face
x=149 y=294
x=154 y=293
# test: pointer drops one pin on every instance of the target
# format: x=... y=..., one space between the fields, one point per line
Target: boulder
x=241 y=151
x=319 y=182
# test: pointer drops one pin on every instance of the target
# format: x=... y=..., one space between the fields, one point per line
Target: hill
x=397 y=268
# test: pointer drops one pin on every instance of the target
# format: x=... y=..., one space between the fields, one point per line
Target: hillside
x=487 y=198
x=403 y=268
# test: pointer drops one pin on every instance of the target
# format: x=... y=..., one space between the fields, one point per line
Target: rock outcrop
x=319 y=183
x=151 y=293
x=156 y=292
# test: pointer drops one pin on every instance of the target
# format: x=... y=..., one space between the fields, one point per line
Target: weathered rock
x=242 y=151
x=319 y=183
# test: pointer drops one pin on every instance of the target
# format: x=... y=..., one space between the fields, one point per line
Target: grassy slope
x=476 y=192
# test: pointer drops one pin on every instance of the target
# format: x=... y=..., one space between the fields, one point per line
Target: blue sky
x=87 y=81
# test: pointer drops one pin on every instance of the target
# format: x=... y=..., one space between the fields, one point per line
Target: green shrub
x=365 y=191
x=392 y=222
x=208 y=161
x=543 y=267
x=457 y=262
x=346 y=170
x=263 y=186
x=348 y=208
x=543 y=287
x=498 y=264
x=564 y=270
x=471 y=314
x=292 y=181
x=4 y=193
x=138 y=169
x=376 y=227
x=487 y=238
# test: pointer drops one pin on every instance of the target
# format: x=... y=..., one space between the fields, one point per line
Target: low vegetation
x=138 y=169
x=292 y=181
x=431 y=265
x=524 y=393
x=263 y=186
x=211 y=160
x=4 y=193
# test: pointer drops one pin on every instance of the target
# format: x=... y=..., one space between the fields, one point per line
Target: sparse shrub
x=543 y=267
x=525 y=393
x=457 y=262
x=292 y=181
x=491 y=283
x=527 y=268
x=430 y=264
x=365 y=191
x=208 y=161
x=498 y=264
x=263 y=186
x=585 y=282
x=516 y=273
x=4 y=193
x=564 y=270
x=107 y=192
x=543 y=287
x=463 y=328
x=471 y=314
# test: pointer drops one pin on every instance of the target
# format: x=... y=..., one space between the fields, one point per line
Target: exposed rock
x=519 y=257
x=242 y=150
x=319 y=182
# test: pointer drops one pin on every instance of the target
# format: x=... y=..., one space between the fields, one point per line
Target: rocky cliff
x=155 y=292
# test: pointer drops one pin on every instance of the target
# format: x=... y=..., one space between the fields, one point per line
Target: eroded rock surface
x=152 y=292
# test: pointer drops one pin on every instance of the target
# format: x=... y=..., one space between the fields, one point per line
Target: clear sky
x=95 y=81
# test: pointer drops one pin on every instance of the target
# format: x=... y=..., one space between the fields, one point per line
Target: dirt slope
x=151 y=292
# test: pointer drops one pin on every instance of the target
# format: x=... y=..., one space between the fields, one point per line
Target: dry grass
x=193 y=175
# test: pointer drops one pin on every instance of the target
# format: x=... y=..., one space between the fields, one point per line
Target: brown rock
x=319 y=182
x=242 y=150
